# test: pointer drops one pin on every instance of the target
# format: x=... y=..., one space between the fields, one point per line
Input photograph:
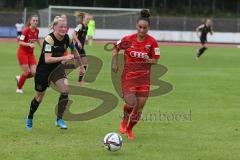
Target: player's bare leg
x=32 y=71
x=83 y=72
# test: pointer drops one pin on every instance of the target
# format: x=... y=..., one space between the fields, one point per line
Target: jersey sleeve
x=24 y=34
x=78 y=28
x=155 y=50
x=48 y=44
x=125 y=38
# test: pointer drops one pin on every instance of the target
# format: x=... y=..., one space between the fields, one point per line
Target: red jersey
x=135 y=67
x=28 y=36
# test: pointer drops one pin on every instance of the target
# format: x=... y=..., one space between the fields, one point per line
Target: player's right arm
x=115 y=56
x=115 y=60
x=198 y=29
x=47 y=51
x=22 y=38
x=74 y=35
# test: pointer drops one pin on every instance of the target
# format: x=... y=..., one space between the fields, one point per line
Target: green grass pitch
x=208 y=88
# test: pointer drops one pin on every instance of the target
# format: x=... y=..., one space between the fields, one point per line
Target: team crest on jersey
x=48 y=48
x=148 y=46
x=157 y=51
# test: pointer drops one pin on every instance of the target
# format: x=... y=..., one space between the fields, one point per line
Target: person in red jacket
x=25 y=53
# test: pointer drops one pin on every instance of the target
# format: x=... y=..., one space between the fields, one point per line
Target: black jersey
x=81 y=30
x=204 y=31
x=56 y=48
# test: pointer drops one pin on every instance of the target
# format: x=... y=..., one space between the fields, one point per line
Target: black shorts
x=203 y=40
x=81 y=51
x=44 y=80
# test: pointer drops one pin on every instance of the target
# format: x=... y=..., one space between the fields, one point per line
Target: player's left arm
x=155 y=53
x=74 y=52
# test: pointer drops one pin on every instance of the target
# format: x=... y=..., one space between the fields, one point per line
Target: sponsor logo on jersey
x=148 y=46
x=136 y=54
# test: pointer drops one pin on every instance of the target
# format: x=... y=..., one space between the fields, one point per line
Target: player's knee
x=39 y=97
x=133 y=103
x=64 y=90
x=26 y=73
x=32 y=73
x=84 y=61
x=85 y=66
x=205 y=46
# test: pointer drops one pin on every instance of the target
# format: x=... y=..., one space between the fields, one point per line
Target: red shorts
x=26 y=58
x=136 y=82
x=138 y=89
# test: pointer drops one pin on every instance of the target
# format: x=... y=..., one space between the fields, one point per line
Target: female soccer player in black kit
x=79 y=36
x=202 y=32
x=51 y=59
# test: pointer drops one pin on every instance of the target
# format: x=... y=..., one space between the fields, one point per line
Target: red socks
x=23 y=79
x=127 y=111
x=132 y=114
x=134 y=118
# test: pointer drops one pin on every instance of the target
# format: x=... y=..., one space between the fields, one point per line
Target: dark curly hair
x=144 y=15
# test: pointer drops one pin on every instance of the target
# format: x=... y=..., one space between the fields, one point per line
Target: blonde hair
x=55 y=21
x=64 y=17
x=79 y=15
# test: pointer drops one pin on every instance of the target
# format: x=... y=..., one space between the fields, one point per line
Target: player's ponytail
x=79 y=16
x=144 y=15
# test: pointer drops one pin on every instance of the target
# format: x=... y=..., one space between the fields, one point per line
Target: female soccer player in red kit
x=135 y=81
x=25 y=51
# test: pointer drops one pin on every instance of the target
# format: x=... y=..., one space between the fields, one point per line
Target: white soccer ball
x=112 y=141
